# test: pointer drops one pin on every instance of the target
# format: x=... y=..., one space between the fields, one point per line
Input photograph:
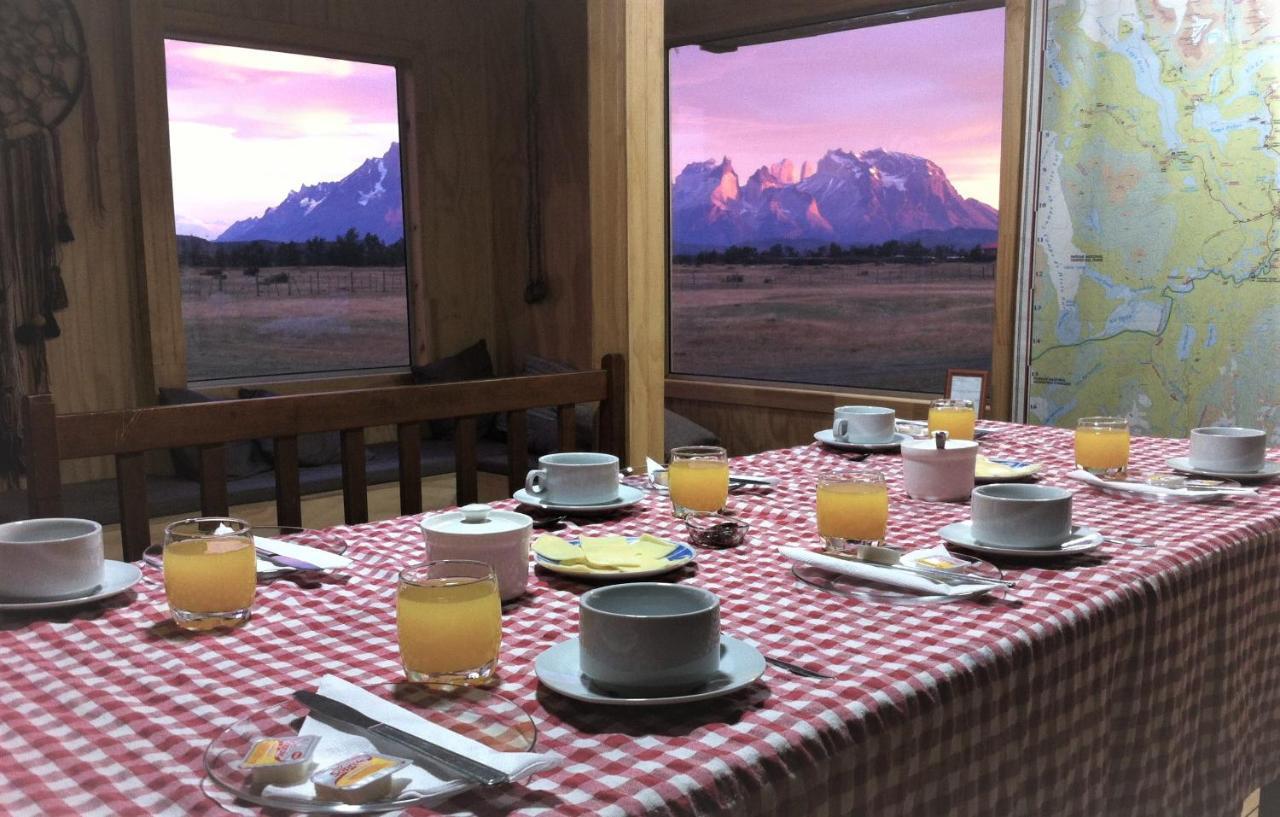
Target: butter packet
x=359 y=779
x=280 y=761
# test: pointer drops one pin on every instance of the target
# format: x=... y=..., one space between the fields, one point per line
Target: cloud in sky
x=930 y=87
x=246 y=126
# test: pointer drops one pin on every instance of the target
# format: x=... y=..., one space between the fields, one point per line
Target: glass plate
x=866 y=590
x=483 y=716
x=319 y=539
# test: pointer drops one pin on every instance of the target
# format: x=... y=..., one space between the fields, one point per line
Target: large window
x=287 y=193
x=833 y=202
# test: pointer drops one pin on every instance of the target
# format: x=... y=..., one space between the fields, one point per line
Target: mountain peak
x=367 y=199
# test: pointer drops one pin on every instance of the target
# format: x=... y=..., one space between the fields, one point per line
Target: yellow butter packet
x=553 y=547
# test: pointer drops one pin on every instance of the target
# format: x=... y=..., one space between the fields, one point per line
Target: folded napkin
x=320 y=558
x=884 y=574
x=336 y=745
x=1144 y=488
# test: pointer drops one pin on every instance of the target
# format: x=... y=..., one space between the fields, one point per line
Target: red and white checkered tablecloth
x=1125 y=682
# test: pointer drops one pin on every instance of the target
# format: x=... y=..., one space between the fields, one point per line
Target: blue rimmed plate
x=681 y=554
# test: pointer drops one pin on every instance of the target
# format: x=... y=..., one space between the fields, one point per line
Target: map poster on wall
x=1155 y=269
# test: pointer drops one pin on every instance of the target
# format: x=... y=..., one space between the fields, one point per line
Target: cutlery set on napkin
x=658 y=478
x=351 y=721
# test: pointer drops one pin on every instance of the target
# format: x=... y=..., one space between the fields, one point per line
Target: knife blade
x=437 y=756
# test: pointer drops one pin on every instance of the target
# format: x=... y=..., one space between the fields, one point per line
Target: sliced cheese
x=553 y=547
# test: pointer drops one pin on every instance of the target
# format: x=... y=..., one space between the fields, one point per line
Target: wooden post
x=40 y=450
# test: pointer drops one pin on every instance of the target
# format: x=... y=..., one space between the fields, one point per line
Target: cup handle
x=840 y=428
x=535 y=482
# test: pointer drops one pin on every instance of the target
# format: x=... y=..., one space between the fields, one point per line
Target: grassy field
x=889 y=325
x=320 y=319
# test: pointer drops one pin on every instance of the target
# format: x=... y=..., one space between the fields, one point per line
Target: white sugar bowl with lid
x=479 y=532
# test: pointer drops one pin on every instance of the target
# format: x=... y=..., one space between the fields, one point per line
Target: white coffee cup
x=575 y=478
x=939 y=474
x=50 y=559
x=1229 y=450
x=868 y=425
x=649 y=638
x=1021 y=516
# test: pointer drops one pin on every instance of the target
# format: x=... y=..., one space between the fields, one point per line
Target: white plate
x=1083 y=540
x=557 y=667
x=827 y=438
x=680 y=556
x=627 y=496
x=1183 y=466
x=117 y=577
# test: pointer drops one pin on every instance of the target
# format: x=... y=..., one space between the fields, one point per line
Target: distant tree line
x=346 y=250
x=833 y=253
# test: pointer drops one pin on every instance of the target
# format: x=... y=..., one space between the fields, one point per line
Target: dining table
x=1128 y=680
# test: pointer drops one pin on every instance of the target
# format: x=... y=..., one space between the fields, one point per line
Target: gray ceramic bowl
x=1021 y=516
x=649 y=638
x=49 y=559
x=1228 y=449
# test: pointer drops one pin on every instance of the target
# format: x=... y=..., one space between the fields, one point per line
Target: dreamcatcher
x=42 y=75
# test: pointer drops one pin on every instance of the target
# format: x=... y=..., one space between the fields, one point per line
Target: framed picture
x=968 y=384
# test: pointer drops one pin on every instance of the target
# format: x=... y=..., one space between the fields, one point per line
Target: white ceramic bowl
x=1021 y=516
x=939 y=475
x=649 y=638
x=500 y=539
x=1228 y=449
x=50 y=559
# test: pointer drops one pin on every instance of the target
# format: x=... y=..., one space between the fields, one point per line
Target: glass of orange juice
x=698 y=478
x=210 y=572
x=449 y=622
x=956 y=417
x=853 y=509
x=1102 y=446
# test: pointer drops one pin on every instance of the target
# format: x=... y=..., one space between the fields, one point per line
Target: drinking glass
x=956 y=417
x=449 y=622
x=853 y=510
x=1102 y=446
x=698 y=478
x=210 y=572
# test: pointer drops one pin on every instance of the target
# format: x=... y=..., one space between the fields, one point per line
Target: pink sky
x=247 y=126
x=930 y=87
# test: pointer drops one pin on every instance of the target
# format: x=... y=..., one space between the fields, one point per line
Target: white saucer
x=1083 y=540
x=827 y=438
x=680 y=555
x=627 y=496
x=1183 y=465
x=557 y=667
x=117 y=577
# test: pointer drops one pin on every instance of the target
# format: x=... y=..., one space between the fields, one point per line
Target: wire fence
x=286 y=282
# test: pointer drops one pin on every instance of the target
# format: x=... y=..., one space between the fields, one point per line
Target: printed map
x=1155 y=276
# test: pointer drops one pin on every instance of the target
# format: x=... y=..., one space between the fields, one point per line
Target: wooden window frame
x=160 y=311
x=691 y=22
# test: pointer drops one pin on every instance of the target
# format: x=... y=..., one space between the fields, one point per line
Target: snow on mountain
x=852 y=198
x=367 y=199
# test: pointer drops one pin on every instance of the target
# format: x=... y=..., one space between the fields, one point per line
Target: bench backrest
x=127 y=434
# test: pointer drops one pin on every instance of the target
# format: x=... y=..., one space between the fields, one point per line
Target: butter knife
x=436 y=756
x=285 y=561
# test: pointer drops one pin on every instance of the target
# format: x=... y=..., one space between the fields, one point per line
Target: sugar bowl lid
x=476 y=519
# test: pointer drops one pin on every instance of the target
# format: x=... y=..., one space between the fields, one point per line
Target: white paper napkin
x=336 y=745
x=887 y=575
x=1143 y=488
x=322 y=559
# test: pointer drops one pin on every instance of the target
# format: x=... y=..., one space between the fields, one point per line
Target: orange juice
x=957 y=421
x=1102 y=450
x=852 y=510
x=699 y=485
x=449 y=627
x=214 y=575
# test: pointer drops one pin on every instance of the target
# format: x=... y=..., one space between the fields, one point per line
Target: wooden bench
x=127 y=435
